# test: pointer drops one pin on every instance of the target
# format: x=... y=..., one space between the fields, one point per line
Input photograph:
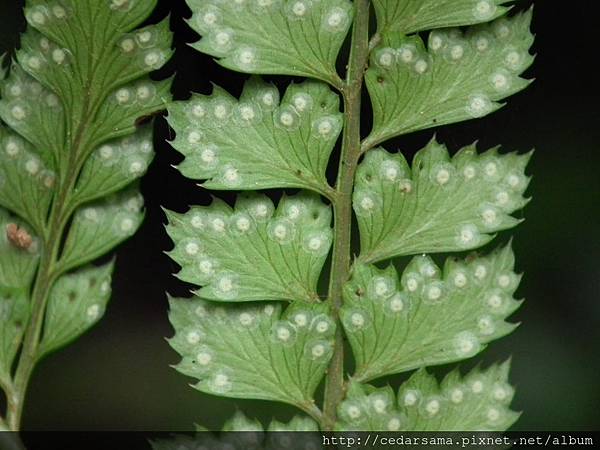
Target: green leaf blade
x=479 y=401
x=34 y=112
x=267 y=144
x=121 y=112
x=77 y=301
x=27 y=184
x=389 y=320
x=458 y=77
x=411 y=16
x=81 y=40
x=79 y=80
x=254 y=252
x=443 y=204
x=253 y=351
x=274 y=37
x=115 y=165
x=99 y=227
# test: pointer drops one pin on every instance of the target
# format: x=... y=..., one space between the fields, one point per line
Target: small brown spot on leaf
x=18 y=237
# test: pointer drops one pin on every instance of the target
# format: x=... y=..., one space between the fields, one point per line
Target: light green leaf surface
x=99 y=227
x=253 y=252
x=78 y=85
x=254 y=351
x=427 y=317
x=127 y=105
x=478 y=401
x=77 y=301
x=460 y=76
x=258 y=142
x=17 y=265
x=27 y=163
x=409 y=16
x=88 y=55
x=14 y=313
x=37 y=114
x=115 y=165
x=91 y=41
x=26 y=183
x=282 y=37
x=80 y=80
x=442 y=205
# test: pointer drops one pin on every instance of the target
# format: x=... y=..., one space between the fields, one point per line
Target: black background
x=118 y=377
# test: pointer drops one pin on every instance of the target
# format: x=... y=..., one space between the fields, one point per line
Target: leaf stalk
x=342 y=206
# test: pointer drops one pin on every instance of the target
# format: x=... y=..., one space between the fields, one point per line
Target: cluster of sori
x=18 y=158
x=478 y=394
x=131 y=155
x=38 y=51
x=254 y=234
x=485 y=45
x=378 y=408
x=117 y=215
x=143 y=47
x=478 y=293
x=410 y=54
x=479 y=397
x=24 y=102
x=95 y=310
x=489 y=184
x=306 y=113
x=489 y=291
x=205 y=342
x=41 y=15
x=23 y=97
x=141 y=93
x=224 y=32
x=493 y=52
x=319 y=327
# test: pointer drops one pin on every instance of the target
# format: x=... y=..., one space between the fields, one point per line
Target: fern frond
x=71 y=154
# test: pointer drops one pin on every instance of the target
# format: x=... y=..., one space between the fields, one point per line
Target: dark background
x=117 y=376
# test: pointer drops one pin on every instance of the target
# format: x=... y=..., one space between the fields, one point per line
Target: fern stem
x=43 y=283
x=340 y=267
x=48 y=271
